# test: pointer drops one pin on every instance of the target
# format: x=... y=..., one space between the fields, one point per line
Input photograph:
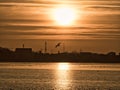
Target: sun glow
x=63 y=66
x=64 y=15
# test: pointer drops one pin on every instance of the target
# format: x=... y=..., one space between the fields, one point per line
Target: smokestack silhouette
x=23 y=45
x=45 y=47
x=63 y=47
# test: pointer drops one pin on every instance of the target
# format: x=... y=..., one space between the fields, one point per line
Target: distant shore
x=62 y=57
x=27 y=55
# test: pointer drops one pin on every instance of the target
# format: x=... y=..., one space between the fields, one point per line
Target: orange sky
x=31 y=19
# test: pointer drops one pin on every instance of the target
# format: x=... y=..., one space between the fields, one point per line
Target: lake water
x=59 y=76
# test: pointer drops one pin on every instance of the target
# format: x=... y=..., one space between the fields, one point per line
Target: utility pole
x=63 y=47
x=45 y=47
x=23 y=46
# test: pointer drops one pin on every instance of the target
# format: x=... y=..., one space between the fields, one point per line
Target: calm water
x=59 y=76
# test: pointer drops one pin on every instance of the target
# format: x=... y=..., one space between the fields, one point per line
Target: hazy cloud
x=31 y=18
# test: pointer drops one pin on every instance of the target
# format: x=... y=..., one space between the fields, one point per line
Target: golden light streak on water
x=63 y=75
x=63 y=66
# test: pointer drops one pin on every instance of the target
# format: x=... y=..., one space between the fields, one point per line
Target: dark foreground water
x=59 y=76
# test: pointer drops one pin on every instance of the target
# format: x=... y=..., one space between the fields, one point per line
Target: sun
x=64 y=15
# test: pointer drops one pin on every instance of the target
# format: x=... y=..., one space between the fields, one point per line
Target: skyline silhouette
x=28 y=55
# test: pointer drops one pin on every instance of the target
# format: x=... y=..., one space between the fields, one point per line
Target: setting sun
x=64 y=15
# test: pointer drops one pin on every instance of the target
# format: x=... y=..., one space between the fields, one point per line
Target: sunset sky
x=90 y=25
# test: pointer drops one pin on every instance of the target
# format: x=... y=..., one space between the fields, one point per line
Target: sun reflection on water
x=63 y=75
x=63 y=66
